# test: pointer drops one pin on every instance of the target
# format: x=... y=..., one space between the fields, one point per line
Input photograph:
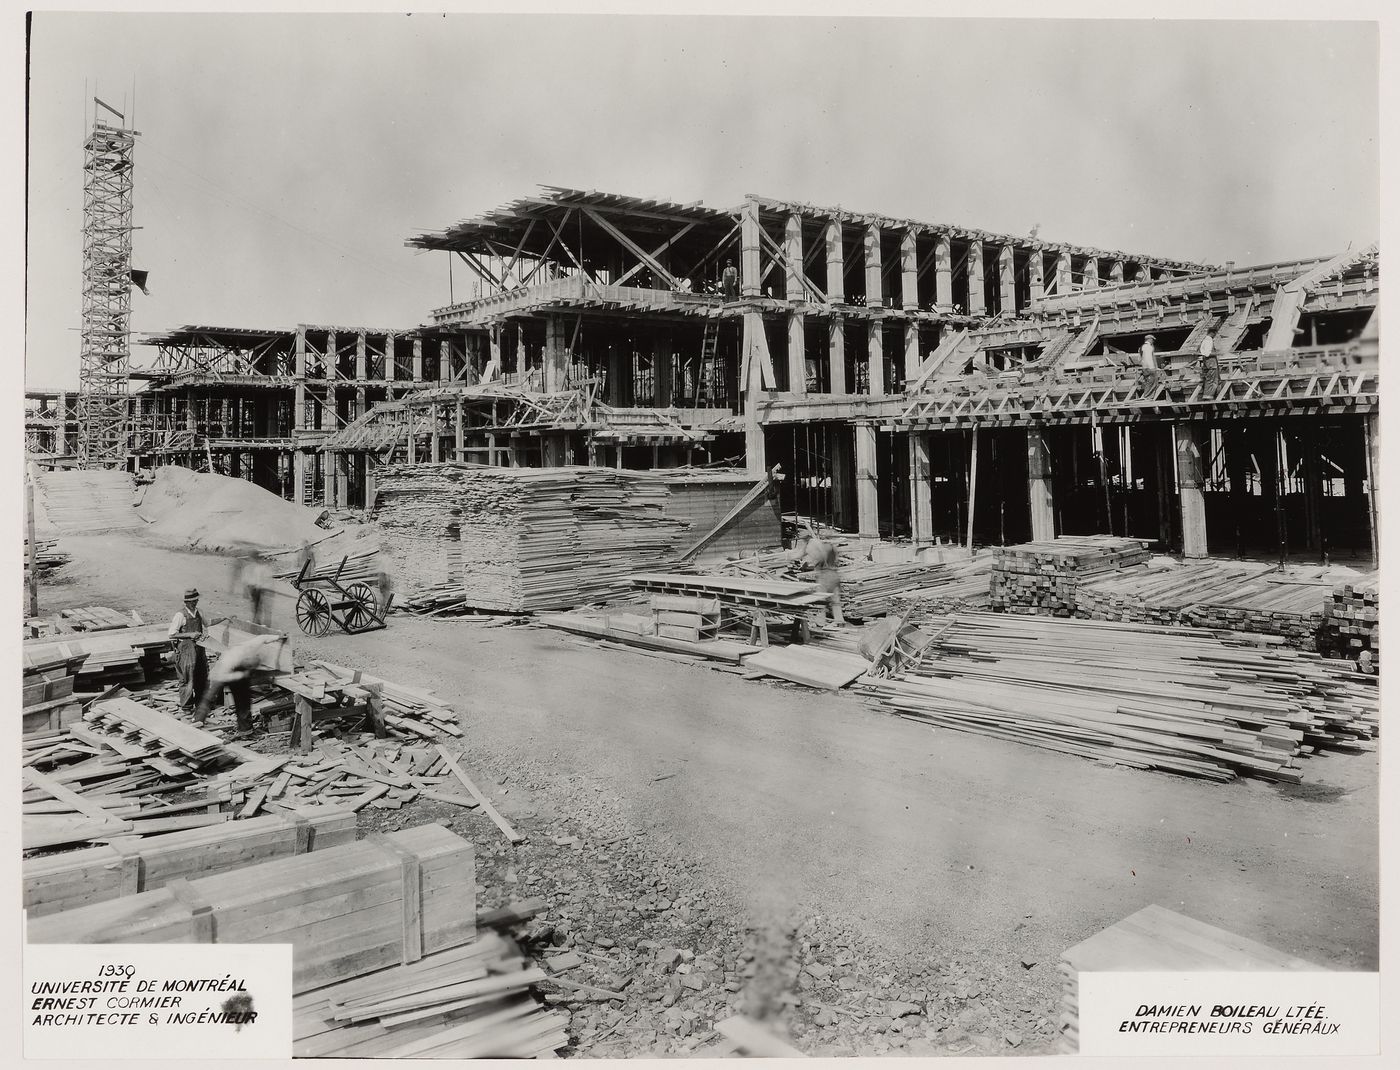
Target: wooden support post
x=835 y=266
x=920 y=489
x=1089 y=280
x=417 y=359
x=943 y=271
x=911 y=353
x=1037 y=276
x=1041 y=488
x=299 y=477
x=327 y=481
x=616 y=369
x=837 y=351
x=972 y=488
x=976 y=282
x=361 y=404
x=792 y=251
x=755 y=448
x=391 y=364
x=867 y=491
x=797 y=353
x=33 y=548
x=663 y=369
x=1006 y=275
x=874 y=283
x=460 y=443
x=342 y=480
x=1064 y=273
x=750 y=267
x=430 y=418
x=909 y=270
x=1190 y=472
x=301 y=725
x=361 y=359
x=556 y=354
x=1115 y=273
x=375 y=711
x=875 y=350
x=1373 y=467
x=370 y=479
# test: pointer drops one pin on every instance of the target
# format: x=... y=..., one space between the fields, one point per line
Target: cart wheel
x=365 y=609
x=313 y=612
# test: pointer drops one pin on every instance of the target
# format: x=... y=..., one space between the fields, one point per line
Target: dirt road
x=815 y=803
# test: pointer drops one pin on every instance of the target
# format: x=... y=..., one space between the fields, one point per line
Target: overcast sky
x=284 y=159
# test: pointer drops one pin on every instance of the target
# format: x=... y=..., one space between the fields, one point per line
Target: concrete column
x=360 y=406
x=556 y=356
x=417 y=359
x=909 y=270
x=867 y=493
x=300 y=369
x=1115 y=273
x=874 y=284
x=976 y=290
x=332 y=358
x=1041 y=488
x=1373 y=468
x=838 y=356
x=390 y=365
x=327 y=481
x=616 y=371
x=835 y=264
x=911 y=351
x=1037 y=275
x=749 y=269
x=370 y=490
x=361 y=360
x=943 y=271
x=342 y=480
x=920 y=489
x=1064 y=273
x=875 y=349
x=663 y=369
x=1089 y=280
x=1190 y=465
x=1006 y=275
x=792 y=249
x=797 y=353
x=299 y=460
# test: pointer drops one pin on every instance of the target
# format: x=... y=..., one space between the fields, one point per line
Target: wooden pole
x=33 y=549
x=1373 y=442
x=972 y=489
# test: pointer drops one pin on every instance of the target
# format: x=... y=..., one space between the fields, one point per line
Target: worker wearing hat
x=191 y=665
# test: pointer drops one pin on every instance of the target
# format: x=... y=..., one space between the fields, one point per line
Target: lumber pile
x=360 y=565
x=1156 y=939
x=47 y=558
x=525 y=539
x=678 y=616
x=409 y=711
x=1351 y=624
x=102 y=659
x=869 y=588
x=86 y=619
x=1177 y=700
x=469 y=1002
x=811 y=666
x=96 y=874
x=777 y=596
x=1044 y=577
x=92 y=502
x=346 y=910
x=636 y=632
x=957 y=586
x=1163 y=590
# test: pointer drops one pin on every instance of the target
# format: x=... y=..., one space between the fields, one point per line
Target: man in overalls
x=191 y=665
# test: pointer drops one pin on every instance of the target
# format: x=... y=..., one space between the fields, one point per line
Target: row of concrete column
x=796 y=289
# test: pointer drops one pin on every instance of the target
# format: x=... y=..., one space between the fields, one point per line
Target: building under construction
x=913 y=380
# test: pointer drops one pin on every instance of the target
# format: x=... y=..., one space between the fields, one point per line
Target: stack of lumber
x=676 y=616
x=776 y=596
x=380 y=774
x=954 y=586
x=527 y=539
x=108 y=658
x=361 y=565
x=97 y=874
x=469 y=1002
x=869 y=588
x=634 y=631
x=46 y=557
x=47 y=698
x=86 y=619
x=346 y=910
x=164 y=742
x=1145 y=697
x=411 y=711
x=1156 y=939
x=1163 y=590
x=1351 y=625
x=1044 y=577
x=79 y=501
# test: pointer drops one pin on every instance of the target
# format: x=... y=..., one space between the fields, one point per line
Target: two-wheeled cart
x=324 y=600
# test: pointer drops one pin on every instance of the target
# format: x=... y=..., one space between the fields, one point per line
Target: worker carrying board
x=819 y=556
x=233 y=672
x=191 y=666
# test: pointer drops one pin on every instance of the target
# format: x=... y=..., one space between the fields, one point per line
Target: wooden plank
x=84 y=806
x=491 y=812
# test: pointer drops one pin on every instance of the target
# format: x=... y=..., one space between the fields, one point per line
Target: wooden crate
x=98 y=874
x=345 y=911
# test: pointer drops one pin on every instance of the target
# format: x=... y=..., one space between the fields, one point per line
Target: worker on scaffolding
x=191 y=665
x=729 y=281
x=1151 y=374
x=233 y=672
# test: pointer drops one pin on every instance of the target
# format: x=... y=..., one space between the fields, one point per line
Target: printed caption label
x=157 y=1001
x=1229 y=1013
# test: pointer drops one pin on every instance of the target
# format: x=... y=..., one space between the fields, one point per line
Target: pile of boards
x=86 y=619
x=775 y=596
x=97 y=660
x=1172 y=699
x=1156 y=939
x=407 y=711
x=1044 y=577
x=361 y=566
x=80 y=501
x=519 y=540
x=1351 y=623
x=106 y=776
x=46 y=558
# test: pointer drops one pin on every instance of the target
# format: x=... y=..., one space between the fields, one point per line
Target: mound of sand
x=213 y=512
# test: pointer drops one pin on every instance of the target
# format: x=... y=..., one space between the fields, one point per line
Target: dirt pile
x=212 y=512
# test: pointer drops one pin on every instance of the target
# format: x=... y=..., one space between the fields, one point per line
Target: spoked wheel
x=360 y=613
x=313 y=612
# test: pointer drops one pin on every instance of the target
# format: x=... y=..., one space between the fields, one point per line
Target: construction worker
x=819 y=556
x=1210 y=368
x=729 y=280
x=191 y=665
x=234 y=672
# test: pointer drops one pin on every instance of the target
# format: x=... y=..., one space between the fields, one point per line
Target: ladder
x=705 y=372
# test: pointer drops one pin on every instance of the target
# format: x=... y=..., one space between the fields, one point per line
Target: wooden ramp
x=79 y=502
